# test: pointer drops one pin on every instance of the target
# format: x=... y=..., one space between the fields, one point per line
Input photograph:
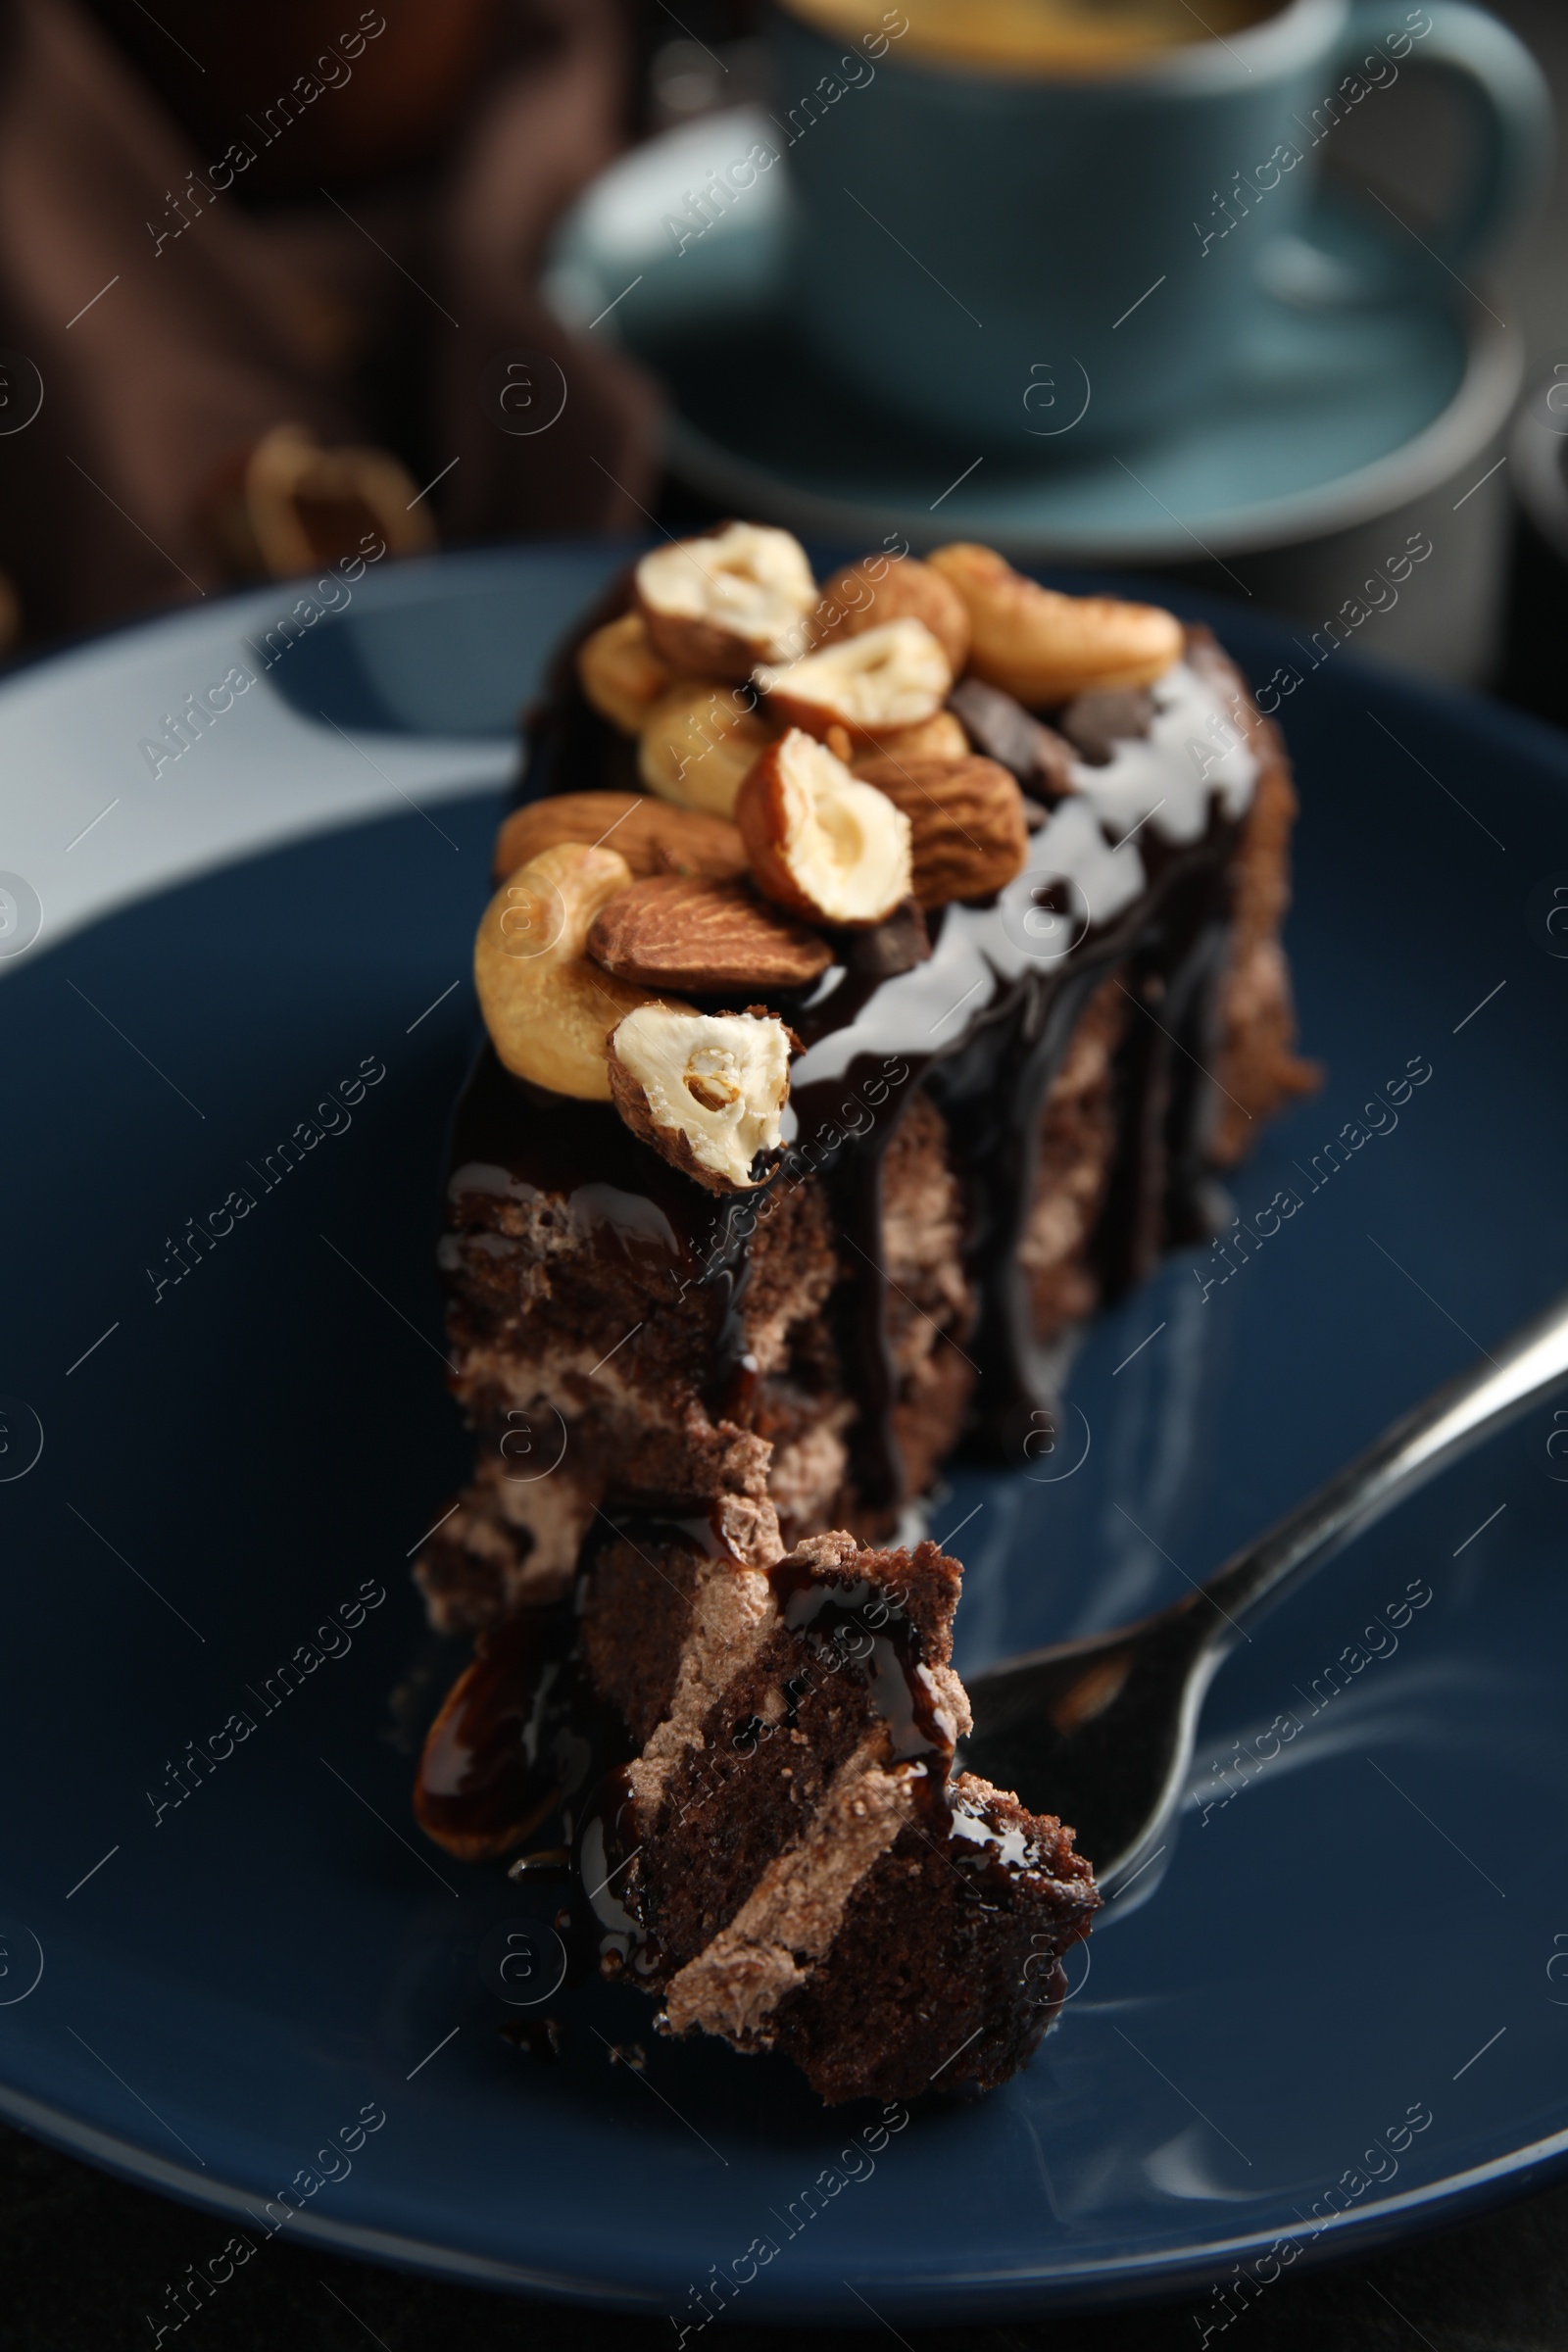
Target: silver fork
x=1100 y=1730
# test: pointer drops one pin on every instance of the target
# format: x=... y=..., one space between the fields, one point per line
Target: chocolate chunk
x=1006 y=731
x=893 y=946
x=1095 y=723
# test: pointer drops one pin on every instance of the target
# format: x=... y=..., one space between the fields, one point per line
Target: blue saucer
x=1330 y=415
x=1333 y=2014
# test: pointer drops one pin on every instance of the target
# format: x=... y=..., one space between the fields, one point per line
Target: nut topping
x=620 y=674
x=716 y=606
x=698 y=744
x=939 y=738
x=1045 y=648
x=827 y=847
x=652 y=837
x=854 y=601
x=966 y=817
x=704 y=937
x=893 y=675
x=548 y=1009
x=704 y=1089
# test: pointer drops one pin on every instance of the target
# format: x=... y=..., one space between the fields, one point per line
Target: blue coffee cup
x=1009 y=259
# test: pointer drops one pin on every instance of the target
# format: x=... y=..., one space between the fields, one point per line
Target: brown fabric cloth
x=254 y=315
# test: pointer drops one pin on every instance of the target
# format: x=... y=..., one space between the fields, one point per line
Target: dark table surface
x=85 y=2259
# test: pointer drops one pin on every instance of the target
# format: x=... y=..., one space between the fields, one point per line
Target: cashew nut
x=1045 y=648
x=548 y=1009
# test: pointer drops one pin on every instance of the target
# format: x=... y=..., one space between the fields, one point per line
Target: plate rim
x=1164 y=2272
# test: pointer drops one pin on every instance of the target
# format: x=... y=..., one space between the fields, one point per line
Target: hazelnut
x=706 y=1090
x=620 y=674
x=823 y=845
x=716 y=607
x=698 y=742
x=892 y=676
x=855 y=600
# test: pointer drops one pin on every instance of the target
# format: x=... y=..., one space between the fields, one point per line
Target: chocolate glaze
x=860 y=1627
x=516 y=1140
x=516 y=1741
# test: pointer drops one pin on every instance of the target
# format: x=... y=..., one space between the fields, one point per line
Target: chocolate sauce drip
x=509 y=1750
x=859 y=1626
x=1163 y=1099
x=516 y=1140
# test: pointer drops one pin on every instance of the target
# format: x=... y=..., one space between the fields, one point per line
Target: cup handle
x=1512 y=107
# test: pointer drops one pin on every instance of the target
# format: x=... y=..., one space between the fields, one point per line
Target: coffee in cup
x=1046 y=36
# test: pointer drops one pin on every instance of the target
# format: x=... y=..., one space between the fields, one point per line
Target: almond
x=704 y=937
x=967 y=819
x=706 y=1090
x=717 y=605
x=823 y=845
x=652 y=837
x=893 y=675
x=1046 y=648
x=939 y=738
x=620 y=674
x=863 y=595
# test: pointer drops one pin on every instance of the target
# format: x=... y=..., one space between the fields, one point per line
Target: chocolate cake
x=877 y=978
x=752 y=1772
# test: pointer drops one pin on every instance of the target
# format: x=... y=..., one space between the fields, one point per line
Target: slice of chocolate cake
x=1011 y=1085
x=785 y=1860
x=876 y=979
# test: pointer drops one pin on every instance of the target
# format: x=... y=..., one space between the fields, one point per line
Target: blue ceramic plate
x=1342 y=2011
x=1327 y=416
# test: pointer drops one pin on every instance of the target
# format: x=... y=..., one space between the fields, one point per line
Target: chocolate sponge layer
x=803 y=1873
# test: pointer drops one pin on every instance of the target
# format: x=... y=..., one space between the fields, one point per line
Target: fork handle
x=1527 y=1368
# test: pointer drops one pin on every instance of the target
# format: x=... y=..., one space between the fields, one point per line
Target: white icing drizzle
x=1013 y=1849
x=483 y=1176
x=1071 y=847
x=1194 y=749
x=1084 y=844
